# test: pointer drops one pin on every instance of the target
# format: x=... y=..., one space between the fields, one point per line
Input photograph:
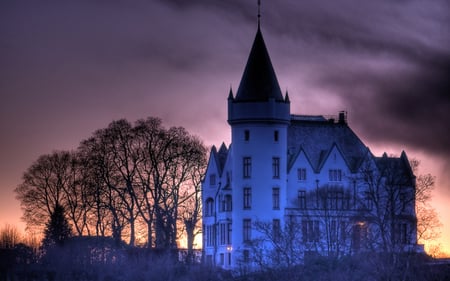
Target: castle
x=294 y=186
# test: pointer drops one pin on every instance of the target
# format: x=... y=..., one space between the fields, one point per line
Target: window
x=210 y=235
x=359 y=235
x=275 y=136
x=332 y=202
x=302 y=199
x=222 y=258
x=228 y=233
x=247 y=167
x=212 y=179
x=247 y=230
x=209 y=260
x=401 y=233
x=333 y=231
x=246 y=256
x=276 y=229
x=368 y=200
x=227 y=203
x=343 y=231
x=335 y=175
x=247 y=197
x=222 y=236
x=246 y=135
x=301 y=174
x=209 y=210
x=276 y=198
x=276 y=167
x=310 y=231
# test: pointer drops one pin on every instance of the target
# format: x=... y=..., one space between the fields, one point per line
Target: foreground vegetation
x=100 y=259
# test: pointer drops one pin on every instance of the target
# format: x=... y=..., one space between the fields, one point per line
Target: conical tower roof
x=259 y=82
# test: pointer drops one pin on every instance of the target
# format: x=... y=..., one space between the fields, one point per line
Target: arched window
x=209 y=207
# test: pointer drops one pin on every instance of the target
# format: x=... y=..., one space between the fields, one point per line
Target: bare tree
x=45 y=185
x=191 y=209
x=9 y=236
x=327 y=220
x=120 y=177
x=104 y=182
x=119 y=139
x=389 y=189
x=278 y=246
x=428 y=223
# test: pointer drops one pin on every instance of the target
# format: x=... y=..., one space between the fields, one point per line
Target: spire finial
x=259 y=13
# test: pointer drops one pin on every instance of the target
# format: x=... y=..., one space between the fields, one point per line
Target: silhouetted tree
x=123 y=176
x=57 y=230
x=47 y=183
x=171 y=159
x=280 y=246
x=389 y=186
x=428 y=223
x=192 y=207
x=9 y=236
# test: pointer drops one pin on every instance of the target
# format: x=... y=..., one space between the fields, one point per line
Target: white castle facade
x=292 y=186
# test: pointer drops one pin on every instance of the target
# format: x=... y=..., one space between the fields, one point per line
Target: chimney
x=342 y=117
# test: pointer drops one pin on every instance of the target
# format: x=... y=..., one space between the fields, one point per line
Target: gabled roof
x=259 y=82
x=293 y=158
x=318 y=136
x=396 y=169
x=222 y=155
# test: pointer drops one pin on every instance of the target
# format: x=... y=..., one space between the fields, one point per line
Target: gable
x=317 y=137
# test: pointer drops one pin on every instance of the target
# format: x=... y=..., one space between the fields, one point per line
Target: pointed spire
x=230 y=94
x=259 y=14
x=223 y=148
x=286 y=97
x=259 y=82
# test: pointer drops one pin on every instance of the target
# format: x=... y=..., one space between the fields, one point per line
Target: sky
x=68 y=68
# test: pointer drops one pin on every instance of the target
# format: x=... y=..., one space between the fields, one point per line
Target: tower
x=259 y=116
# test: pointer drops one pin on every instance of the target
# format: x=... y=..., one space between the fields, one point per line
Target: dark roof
x=220 y=157
x=259 y=82
x=318 y=136
x=397 y=170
